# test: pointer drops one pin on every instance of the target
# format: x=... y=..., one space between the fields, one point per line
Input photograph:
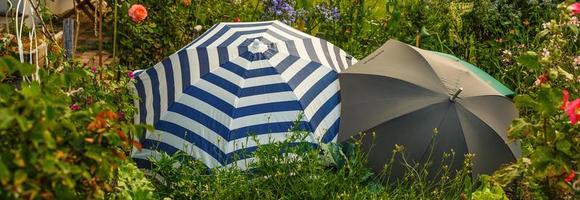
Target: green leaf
x=48 y=140
x=424 y=31
x=25 y=69
x=6 y=118
x=525 y=100
x=4 y=173
x=529 y=59
x=542 y=157
x=19 y=177
x=548 y=101
x=94 y=154
x=31 y=91
x=564 y=146
x=567 y=75
x=518 y=127
x=542 y=34
x=24 y=124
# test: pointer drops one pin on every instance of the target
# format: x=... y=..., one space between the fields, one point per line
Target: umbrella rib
x=496 y=133
x=433 y=139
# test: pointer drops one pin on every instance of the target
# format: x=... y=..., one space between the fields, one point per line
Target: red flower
x=573 y=111
x=570 y=176
x=572 y=108
x=565 y=97
x=541 y=79
x=138 y=13
x=131 y=75
x=186 y=2
x=574 y=8
x=237 y=19
x=75 y=107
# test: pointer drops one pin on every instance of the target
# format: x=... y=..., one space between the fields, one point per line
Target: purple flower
x=282 y=9
x=329 y=14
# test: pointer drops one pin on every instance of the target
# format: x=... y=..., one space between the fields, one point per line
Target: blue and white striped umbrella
x=236 y=84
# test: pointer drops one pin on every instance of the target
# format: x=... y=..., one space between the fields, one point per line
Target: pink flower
x=573 y=111
x=572 y=108
x=138 y=13
x=574 y=8
x=131 y=75
x=565 y=98
x=74 y=107
x=94 y=69
x=576 y=62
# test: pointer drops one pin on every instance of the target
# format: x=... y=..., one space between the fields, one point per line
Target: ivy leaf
x=529 y=59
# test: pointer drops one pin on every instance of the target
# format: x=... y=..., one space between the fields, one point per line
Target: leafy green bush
x=292 y=169
x=52 y=147
x=547 y=125
x=132 y=184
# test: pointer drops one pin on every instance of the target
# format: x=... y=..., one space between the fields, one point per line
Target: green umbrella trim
x=498 y=86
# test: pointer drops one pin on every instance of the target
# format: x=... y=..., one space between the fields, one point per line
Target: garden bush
x=292 y=169
x=58 y=140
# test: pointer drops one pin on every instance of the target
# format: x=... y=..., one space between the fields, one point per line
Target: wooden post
x=69 y=27
x=100 y=20
x=417 y=39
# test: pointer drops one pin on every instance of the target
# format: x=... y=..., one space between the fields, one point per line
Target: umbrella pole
x=456 y=94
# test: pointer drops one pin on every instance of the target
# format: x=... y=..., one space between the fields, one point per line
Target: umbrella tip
x=456 y=94
x=256 y=43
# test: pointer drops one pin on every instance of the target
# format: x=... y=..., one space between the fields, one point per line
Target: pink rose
x=138 y=13
x=574 y=8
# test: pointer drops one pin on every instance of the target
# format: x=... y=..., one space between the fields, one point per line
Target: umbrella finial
x=256 y=42
x=456 y=94
x=257 y=46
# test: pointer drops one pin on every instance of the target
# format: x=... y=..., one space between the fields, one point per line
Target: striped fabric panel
x=216 y=100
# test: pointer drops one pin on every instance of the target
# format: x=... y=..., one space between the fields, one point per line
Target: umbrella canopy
x=237 y=85
x=406 y=95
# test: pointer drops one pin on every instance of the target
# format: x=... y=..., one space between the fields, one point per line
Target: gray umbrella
x=404 y=95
